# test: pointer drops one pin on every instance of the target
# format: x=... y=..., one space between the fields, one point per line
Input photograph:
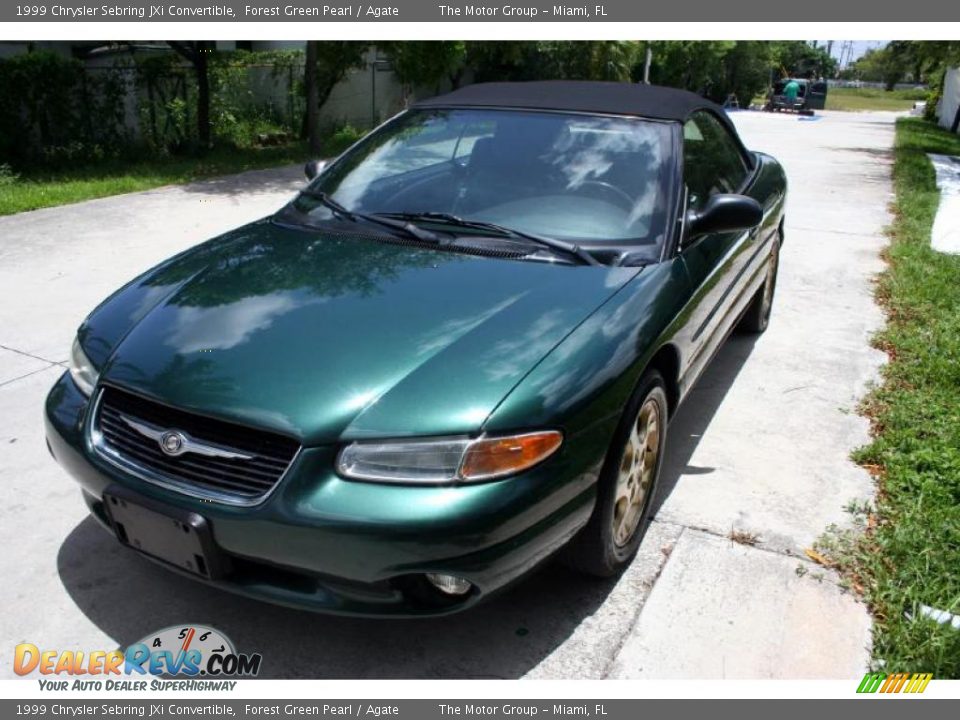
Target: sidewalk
x=771 y=466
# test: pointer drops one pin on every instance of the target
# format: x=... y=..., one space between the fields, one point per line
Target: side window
x=712 y=161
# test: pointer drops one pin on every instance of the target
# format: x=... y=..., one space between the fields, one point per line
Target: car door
x=713 y=162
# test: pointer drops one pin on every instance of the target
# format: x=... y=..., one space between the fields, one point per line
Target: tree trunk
x=325 y=87
x=313 y=107
x=201 y=65
x=324 y=92
x=198 y=54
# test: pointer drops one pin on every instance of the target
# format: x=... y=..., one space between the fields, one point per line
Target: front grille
x=242 y=481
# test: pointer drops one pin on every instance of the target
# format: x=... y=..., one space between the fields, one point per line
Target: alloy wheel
x=638 y=466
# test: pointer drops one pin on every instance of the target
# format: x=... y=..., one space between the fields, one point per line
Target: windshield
x=560 y=175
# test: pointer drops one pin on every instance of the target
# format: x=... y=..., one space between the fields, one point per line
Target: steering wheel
x=622 y=198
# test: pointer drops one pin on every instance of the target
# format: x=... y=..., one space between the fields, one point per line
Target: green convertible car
x=452 y=355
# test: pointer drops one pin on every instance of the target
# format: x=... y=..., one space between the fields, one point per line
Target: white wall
x=951 y=97
x=365 y=97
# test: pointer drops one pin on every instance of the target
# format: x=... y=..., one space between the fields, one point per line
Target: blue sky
x=859 y=46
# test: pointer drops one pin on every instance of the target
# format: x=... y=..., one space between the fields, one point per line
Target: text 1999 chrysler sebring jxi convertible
x=453 y=354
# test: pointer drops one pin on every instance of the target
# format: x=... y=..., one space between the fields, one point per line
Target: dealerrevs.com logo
x=179 y=651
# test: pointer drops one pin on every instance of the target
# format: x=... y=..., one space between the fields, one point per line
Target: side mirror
x=314 y=168
x=724 y=213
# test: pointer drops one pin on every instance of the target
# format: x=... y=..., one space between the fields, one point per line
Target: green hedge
x=167 y=96
x=52 y=109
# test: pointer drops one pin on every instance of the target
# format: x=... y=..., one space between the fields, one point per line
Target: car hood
x=325 y=336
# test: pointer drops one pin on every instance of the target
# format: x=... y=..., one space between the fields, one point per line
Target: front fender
x=582 y=385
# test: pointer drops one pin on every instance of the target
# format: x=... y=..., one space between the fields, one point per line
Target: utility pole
x=846 y=53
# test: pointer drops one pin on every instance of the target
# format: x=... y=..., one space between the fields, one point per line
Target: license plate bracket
x=172 y=535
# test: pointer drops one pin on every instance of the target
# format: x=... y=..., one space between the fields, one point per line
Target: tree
x=501 y=60
x=908 y=54
x=941 y=56
x=333 y=60
x=587 y=60
x=934 y=58
x=882 y=65
x=716 y=69
x=893 y=68
x=923 y=60
x=426 y=63
x=689 y=64
x=746 y=71
x=197 y=53
x=313 y=109
x=798 y=58
x=492 y=61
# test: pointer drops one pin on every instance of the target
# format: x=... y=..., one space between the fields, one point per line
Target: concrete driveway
x=761 y=448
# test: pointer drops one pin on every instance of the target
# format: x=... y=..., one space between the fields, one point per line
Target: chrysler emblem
x=176 y=442
x=172 y=442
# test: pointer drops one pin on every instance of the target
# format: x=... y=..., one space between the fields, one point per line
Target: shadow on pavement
x=694 y=416
x=883 y=154
x=288 y=178
x=127 y=596
x=882 y=122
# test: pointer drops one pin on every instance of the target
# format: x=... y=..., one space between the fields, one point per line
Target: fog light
x=449 y=584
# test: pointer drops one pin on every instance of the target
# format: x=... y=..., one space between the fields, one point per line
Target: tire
x=756 y=319
x=609 y=541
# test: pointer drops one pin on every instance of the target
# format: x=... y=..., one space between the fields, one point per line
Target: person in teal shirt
x=791 y=90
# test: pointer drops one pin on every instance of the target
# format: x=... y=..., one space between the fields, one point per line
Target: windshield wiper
x=336 y=208
x=450 y=219
x=343 y=213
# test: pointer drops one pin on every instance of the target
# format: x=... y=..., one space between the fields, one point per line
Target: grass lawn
x=860 y=99
x=47 y=188
x=909 y=554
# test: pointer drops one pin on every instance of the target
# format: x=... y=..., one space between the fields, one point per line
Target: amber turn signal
x=488 y=458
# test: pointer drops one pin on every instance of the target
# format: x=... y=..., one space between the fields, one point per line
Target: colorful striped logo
x=894 y=683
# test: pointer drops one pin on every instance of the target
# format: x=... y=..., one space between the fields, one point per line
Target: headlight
x=82 y=371
x=446 y=460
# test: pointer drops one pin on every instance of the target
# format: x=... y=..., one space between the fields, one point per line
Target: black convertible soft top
x=614 y=98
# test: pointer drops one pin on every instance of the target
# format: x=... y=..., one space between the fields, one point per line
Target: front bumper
x=327 y=544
